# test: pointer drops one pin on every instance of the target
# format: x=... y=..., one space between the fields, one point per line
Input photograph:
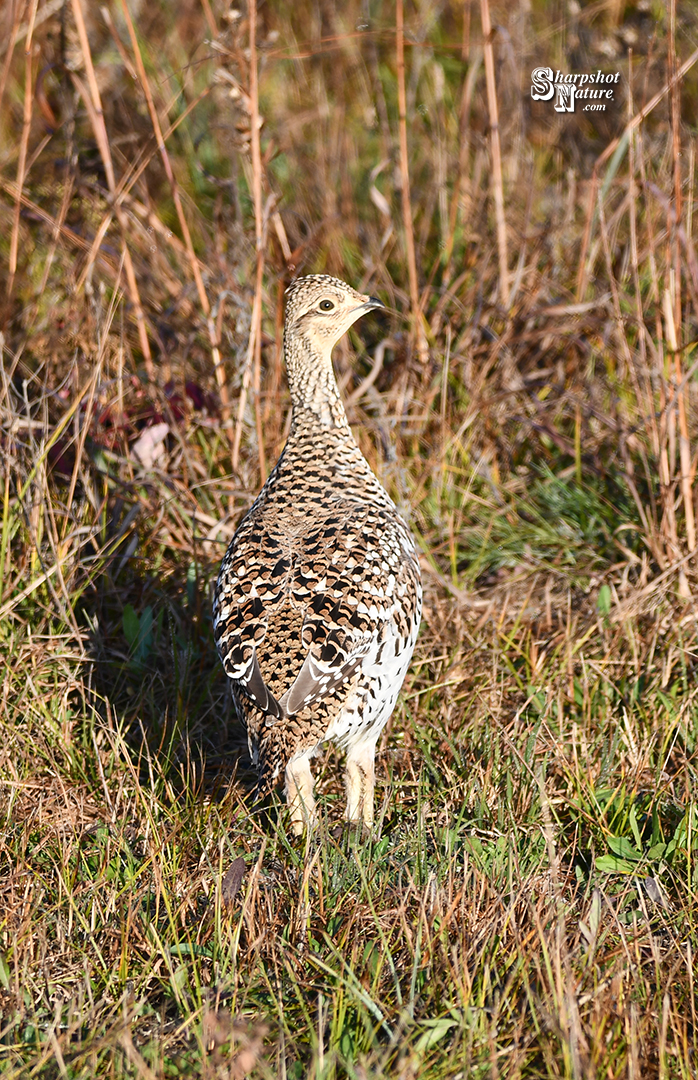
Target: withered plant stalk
x=497 y=182
x=407 y=222
x=93 y=104
x=24 y=142
x=254 y=348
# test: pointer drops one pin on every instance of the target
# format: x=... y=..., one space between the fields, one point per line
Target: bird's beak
x=371 y=304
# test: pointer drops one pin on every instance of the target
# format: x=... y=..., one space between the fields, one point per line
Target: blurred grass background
x=528 y=906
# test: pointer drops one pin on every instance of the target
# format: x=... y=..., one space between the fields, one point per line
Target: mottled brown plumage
x=318 y=598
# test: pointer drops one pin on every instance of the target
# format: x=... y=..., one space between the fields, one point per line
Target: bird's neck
x=314 y=392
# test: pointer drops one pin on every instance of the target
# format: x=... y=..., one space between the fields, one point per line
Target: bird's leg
x=360 y=778
x=299 y=793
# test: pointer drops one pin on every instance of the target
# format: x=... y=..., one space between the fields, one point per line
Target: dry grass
x=528 y=905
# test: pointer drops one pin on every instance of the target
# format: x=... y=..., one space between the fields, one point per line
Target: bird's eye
x=326 y=305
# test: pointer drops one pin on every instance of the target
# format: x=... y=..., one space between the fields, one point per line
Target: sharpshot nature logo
x=595 y=89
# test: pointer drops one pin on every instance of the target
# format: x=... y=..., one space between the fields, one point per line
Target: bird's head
x=321 y=309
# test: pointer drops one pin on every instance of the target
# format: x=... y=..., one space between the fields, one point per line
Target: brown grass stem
x=684 y=439
x=675 y=114
x=606 y=154
x=128 y=181
x=218 y=365
x=24 y=142
x=165 y=157
x=495 y=150
x=14 y=33
x=252 y=369
x=93 y=104
x=259 y=229
x=407 y=222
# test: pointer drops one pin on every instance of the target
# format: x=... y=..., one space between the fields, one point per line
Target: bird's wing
x=343 y=602
x=251 y=584
x=317 y=678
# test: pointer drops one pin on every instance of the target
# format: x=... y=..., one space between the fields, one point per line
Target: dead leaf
x=232 y=880
x=149 y=448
